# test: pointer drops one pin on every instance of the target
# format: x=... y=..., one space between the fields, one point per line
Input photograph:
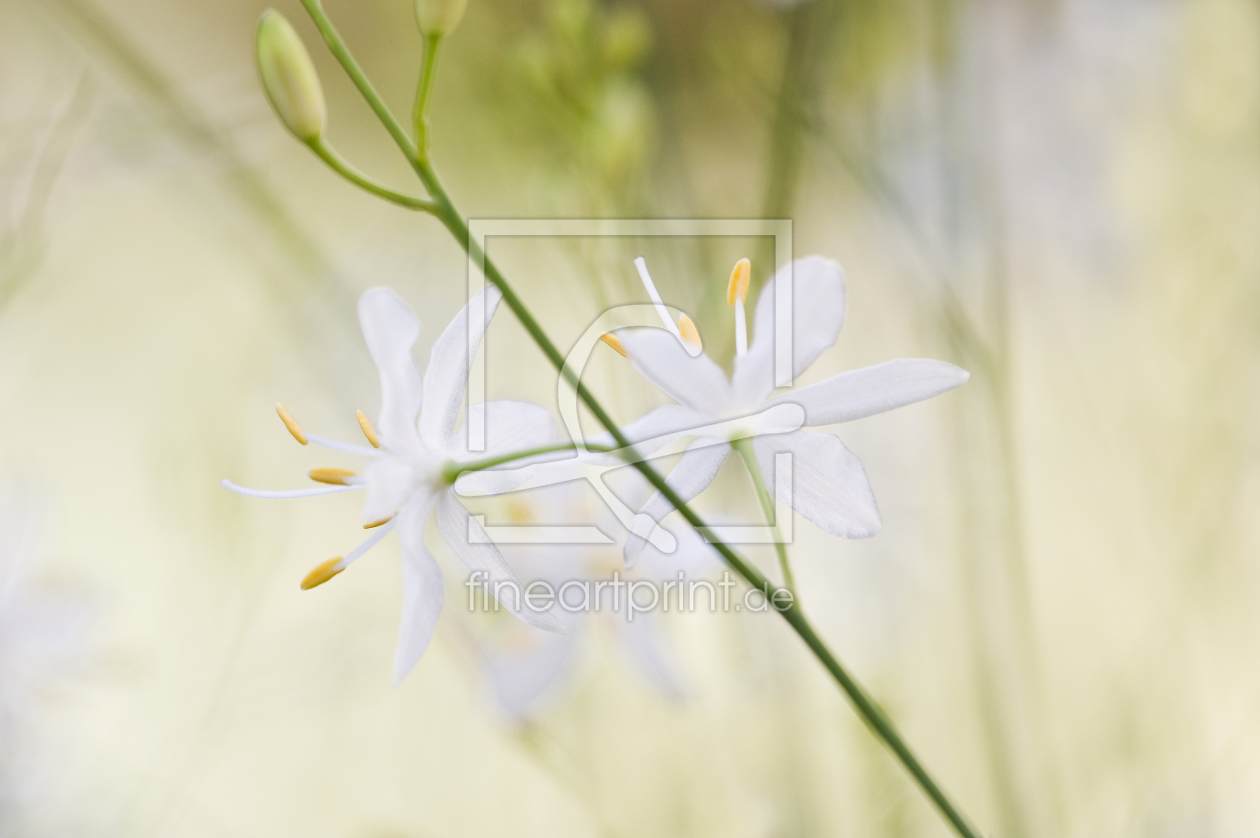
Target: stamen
x=611 y=339
x=289 y=422
x=322 y=573
x=641 y=264
x=331 y=476
x=736 y=293
x=687 y=329
x=368 y=430
x=379 y=523
x=284 y=494
x=737 y=288
x=346 y=447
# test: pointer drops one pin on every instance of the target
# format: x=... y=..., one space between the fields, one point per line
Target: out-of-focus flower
x=829 y=487
x=289 y=78
x=39 y=632
x=524 y=665
x=42 y=635
x=410 y=474
x=439 y=17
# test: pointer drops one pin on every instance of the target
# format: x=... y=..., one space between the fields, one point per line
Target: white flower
x=410 y=476
x=829 y=486
x=41 y=633
x=524 y=665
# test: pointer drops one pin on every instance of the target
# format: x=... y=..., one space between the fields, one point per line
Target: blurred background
x=1062 y=196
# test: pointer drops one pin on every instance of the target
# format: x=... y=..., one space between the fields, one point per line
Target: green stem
x=454 y=470
x=745 y=449
x=445 y=211
x=428 y=73
x=339 y=165
x=337 y=46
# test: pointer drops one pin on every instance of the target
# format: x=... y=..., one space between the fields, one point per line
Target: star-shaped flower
x=413 y=455
x=829 y=486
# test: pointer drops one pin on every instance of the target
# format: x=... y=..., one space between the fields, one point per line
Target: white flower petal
x=650 y=432
x=391 y=329
x=817 y=314
x=693 y=557
x=829 y=486
x=454 y=523
x=391 y=483
x=447 y=374
x=423 y=588
x=509 y=426
x=647 y=648
x=865 y=392
x=697 y=382
x=528 y=667
x=700 y=463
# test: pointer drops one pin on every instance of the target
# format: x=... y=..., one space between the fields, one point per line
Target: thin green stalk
x=445 y=211
x=339 y=165
x=745 y=449
x=428 y=73
x=454 y=470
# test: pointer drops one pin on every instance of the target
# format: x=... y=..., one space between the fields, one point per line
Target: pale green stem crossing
x=454 y=470
x=745 y=449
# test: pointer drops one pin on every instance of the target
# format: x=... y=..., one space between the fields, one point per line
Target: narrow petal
x=700 y=463
x=649 y=434
x=670 y=419
x=829 y=486
x=528 y=666
x=447 y=374
x=693 y=557
x=651 y=654
x=508 y=425
x=391 y=329
x=423 y=588
x=697 y=382
x=817 y=293
x=478 y=554
x=865 y=392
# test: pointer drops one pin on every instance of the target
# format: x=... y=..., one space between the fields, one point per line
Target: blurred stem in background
x=810 y=39
x=992 y=548
x=446 y=213
x=993 y=554
x=22 y=241
x=91 y=27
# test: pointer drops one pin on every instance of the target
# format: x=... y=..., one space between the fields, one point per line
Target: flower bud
x=289 y=78
x=439 y=17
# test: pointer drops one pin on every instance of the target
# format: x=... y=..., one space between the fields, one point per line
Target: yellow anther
x=368 y=430
x=322 y=573
x=737 y=288
x=289 y=422
x=612 y=341
x=332 y=476
x=689 y=332
x=374 y=524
